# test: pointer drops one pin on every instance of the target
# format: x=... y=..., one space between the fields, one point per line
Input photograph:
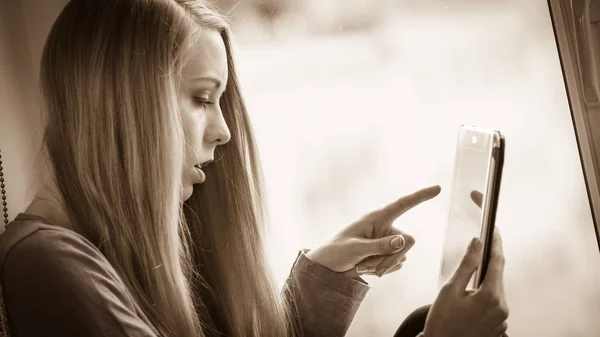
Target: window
x=356 y=103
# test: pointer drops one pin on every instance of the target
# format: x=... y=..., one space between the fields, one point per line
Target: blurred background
x=356 y=103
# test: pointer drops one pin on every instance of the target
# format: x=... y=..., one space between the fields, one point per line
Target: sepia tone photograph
x=291 y=168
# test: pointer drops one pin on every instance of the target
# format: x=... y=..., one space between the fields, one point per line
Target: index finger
x=495 y=271
x=400 y=206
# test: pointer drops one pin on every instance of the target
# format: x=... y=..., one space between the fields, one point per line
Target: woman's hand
x=457 y=312
x=372 y=245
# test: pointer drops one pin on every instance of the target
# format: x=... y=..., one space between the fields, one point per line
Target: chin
x=188 y=189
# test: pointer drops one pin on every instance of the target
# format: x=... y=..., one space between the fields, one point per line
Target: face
x=204 y=79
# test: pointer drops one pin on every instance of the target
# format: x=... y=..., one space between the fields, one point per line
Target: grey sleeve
x=57 y=284
x=325 y=301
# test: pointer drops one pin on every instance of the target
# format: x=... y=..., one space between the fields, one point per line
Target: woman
x=135 y=234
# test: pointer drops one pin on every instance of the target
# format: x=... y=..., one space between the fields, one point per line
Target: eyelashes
x=203 y=101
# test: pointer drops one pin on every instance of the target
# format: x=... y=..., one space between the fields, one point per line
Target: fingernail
x=382 y=272
x=398 y=242
x=365 y=270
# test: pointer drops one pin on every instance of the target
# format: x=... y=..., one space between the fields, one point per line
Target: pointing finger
x=392 y=211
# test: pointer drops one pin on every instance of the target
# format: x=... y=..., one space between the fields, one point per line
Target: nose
x=217 y=131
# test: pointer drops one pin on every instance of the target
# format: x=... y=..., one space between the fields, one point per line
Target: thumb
x=384 y=246
x=468 y=265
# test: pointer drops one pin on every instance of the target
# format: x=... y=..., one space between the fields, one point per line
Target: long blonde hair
x=114 y=136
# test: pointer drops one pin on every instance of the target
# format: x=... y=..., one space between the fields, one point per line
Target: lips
x=199 y=174
x=203 y=164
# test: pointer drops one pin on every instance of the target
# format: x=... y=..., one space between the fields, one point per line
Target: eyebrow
x=214 y=80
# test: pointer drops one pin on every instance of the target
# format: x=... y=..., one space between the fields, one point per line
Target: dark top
x=54 y=282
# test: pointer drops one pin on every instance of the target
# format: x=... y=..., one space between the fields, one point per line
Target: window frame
x=584 y=128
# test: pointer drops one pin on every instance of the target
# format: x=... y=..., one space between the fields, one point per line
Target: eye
x=202 y=101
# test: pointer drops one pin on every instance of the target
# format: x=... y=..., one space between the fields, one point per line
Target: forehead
x=208 y=57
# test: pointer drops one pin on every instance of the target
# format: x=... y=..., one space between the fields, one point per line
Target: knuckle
x=446 y=289
x=500 y=260
x=355 y=246
x=471 y=253
x=503 y=312
x=490 y=300
x=469 y=261
x=367 y=218
x=495 y=302
x=403 y=202
x=381 y=213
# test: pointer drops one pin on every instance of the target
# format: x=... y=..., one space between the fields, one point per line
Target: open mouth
x=203 y=165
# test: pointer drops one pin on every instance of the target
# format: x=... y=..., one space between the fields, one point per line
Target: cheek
x=194 y=136
x=194 y=132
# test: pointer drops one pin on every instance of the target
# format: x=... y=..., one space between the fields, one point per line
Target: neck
x=46 y=205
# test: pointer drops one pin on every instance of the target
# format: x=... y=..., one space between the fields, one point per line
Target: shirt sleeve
x=55 y=283
x=325 y=301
